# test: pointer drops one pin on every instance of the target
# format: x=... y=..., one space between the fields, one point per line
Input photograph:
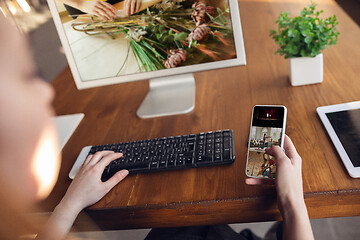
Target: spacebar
x=132 y=167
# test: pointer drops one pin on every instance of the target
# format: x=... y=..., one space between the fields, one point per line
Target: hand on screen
x=87 y=187
x=99 y=8
x=288 y=173
x=131 y=6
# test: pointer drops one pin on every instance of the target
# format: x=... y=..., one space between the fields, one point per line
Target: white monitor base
x=169 y=96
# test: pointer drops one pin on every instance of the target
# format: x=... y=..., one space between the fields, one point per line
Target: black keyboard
x=171 y=153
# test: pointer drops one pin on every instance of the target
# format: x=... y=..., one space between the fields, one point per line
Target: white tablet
x=342 y=122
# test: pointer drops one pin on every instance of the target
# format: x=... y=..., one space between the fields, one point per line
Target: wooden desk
x=224 y=99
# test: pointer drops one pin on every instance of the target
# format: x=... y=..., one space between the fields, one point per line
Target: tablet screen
x=347 y=127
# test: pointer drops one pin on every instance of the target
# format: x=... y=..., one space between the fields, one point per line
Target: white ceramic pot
x=306 y=70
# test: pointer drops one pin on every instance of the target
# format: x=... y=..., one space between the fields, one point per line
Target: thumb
x=259 y=181
x=275 y=151
x=114 y=180
x=278 y=153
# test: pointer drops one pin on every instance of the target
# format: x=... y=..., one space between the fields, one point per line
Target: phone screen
x=266 y=131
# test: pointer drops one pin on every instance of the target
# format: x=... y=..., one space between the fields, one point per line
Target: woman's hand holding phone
x=289 y=189
x=288 y=172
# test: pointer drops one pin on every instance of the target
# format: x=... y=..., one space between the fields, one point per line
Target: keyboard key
x=204 y=160
x=227 y=133
x=191 y=138
x=209 y=135
x=227 y=142
x=226 y=154
x=180 y=162
x=189 y=154
x=188 y=161
x=154 y=164
x=162 y=164
x=218 y=157
x=171 y=163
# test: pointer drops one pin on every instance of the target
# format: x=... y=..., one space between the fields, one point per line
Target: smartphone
x=267 y=129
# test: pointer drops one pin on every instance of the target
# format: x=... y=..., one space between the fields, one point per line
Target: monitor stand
x=169 y=96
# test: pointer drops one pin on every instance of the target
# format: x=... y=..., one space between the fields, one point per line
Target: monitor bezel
x=239 y=60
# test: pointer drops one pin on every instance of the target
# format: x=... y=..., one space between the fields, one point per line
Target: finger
x=108 y=159
x=290 y=149
x=98 y=156
x=98 y=10
x=126 y=7
x=109 y=8
x=258 y=181
x=118 y=177
x=138 y=5
x=105 y=13
x=99 y=14
x=133 y=2
x=87 y=160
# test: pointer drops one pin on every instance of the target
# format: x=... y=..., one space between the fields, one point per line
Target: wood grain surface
x=224 y=99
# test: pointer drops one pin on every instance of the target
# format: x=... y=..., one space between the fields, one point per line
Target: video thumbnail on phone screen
x=266 y=131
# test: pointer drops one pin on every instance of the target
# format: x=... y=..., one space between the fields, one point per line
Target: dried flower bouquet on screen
x=170 y=34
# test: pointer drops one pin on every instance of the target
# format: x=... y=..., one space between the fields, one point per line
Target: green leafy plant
x=305 y=35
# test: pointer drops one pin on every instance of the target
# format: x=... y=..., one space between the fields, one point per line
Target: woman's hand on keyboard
x=87 y=187
x=85 y=190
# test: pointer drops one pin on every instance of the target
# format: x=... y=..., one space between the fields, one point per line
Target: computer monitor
x=165 y=42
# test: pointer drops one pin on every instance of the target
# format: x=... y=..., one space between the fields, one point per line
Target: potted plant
x=302 y=39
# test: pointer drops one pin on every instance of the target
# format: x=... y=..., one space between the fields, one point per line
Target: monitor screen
x=165 y=37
